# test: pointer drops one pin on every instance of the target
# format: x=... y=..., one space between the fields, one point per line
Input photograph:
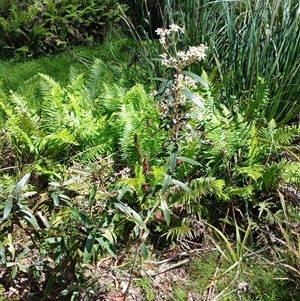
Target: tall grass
x=248 y=40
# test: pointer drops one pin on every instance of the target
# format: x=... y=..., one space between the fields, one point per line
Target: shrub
x=37 y=27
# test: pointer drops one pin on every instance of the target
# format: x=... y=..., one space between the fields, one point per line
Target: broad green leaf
x=7 y=208
x=23 y=253
x=77 y=214
x=173 y=158
x=55 y=199
x=109 y=235
x=122 y=192
x=53 y=240
x=166 y=211
x=22 y=268
x=68 y=290
x=166 y=184
x=193 y=98
x=144 y=250
x=10 y=264
x=28 y=194
x=196 y=77
x=28 y=216
x=121 y=207
x=20 y=185
x=14 y=272
x=44 y=220
x=188 y=160
x=132 y=214
x=49 y=286
x=92 y=196
x=161 y=79
x=183 y=186
x=88 y=248
x=32 y=221
x=68 y=182
x=106 y=246
x=138 y=220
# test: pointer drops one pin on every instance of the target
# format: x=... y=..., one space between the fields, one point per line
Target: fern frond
x=201 y=187
x=94 y=78
x=110 y=99
x=291 y=173
x=175 y=232
x=46 y=83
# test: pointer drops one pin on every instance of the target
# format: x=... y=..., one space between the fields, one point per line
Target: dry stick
x=174 y=266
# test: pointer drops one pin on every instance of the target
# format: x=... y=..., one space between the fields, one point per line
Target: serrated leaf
x=183 y=186
x=166 y=211
x=196 y=77
x=7 y=208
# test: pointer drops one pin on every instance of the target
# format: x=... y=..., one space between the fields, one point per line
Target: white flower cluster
x=184 y=81
x=164 y=33
x=184 y=58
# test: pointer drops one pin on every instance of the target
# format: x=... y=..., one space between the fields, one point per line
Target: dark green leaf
x=106 y=245
x=88 y=248
x=92 y=196
x=161 y=79
x=77 y=214
x=144 y=250
x=123 y=191
x=173 y=159
x=26 y=214
x=49 y=286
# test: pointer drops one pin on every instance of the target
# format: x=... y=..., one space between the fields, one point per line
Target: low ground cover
x=122 y=184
